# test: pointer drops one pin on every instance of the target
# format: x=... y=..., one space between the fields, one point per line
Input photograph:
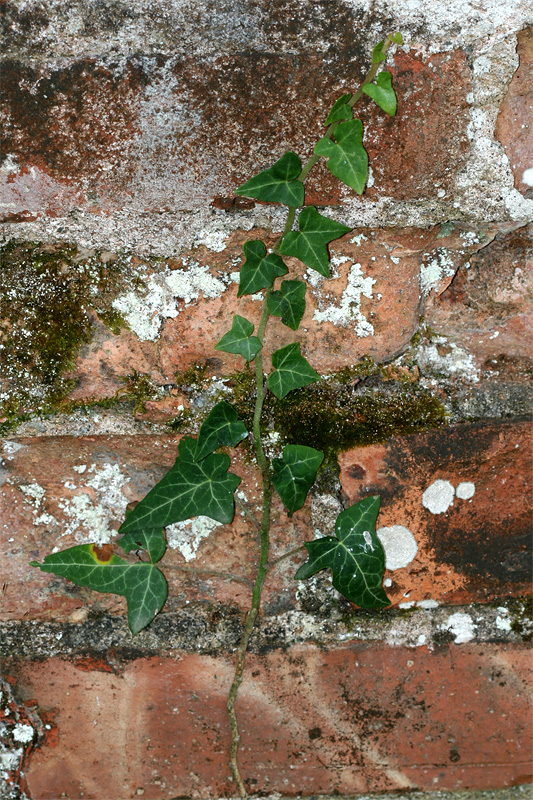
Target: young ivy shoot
x=201 y=482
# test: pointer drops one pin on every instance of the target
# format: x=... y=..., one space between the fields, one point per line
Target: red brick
x=82 y=132
x=478 y=550
x=450 y=567
x=513 y=127
x=488 y=307
x=355 y=719
x=391 y=257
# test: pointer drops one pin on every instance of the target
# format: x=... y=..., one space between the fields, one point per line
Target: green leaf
x=278 y=183
x=347 y=158
x=295 y=473
x=189 y=489
x=142 y=584
x=309 y=244
x=238 y=339
x=378 y=53
x=382 y=92
x=356 y=557
x=153 y=542
x=221 y=428
x=259 y=270
x=288 y=303
x=292 y=371
x=397 y=38
x=340 y=110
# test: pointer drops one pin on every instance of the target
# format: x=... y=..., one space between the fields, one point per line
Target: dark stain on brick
x=73 y=121
x=490 y=539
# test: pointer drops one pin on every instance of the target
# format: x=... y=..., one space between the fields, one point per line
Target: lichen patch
x=187 y=536
x=438 y=497
x=399 y=544
x=163 y=296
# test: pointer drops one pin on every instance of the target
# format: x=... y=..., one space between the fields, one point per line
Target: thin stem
x=247 y=513
x=251 y=616
x=214 y=572
x=264 y=465
x=286 y=555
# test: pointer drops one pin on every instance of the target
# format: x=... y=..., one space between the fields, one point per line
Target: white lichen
x=432 y=272
x=454 y=361
x=91 y=516
x=465 y=490
x=438 y=497
x=462 y=626
x=187 y=536
x=399 y=545
x=164 y=293
x=348 y=310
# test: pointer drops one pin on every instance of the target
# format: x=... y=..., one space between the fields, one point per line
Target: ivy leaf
x=356 y=557
x=309 y=244
x=153 y=542
x=288 y=303
x=221 y=428
x=277 y=184
x=142 y=584
x=292 y=371
x=347 y=158
x=295 y=473
x=382 y=93
x=378 y=53
x=397 y=38
x=340 y=110
x=259 y=270
x=238 y=339
x=189 y=489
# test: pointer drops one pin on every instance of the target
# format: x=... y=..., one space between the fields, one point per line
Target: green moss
x=333 y=418
x=521 y=611
x=47 y=294
x=194 y=378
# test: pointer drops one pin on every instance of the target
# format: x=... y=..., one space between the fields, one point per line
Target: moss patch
x=47 y=294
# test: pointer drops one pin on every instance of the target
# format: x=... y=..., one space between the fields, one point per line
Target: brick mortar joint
x=210 y=632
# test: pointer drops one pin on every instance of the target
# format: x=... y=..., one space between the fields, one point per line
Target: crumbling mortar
x=211 y=629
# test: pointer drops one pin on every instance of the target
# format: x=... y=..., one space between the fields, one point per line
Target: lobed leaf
x=142 y=584
x=379 y=53
x=189 y=489
x=382 y=93
x=277 y=184
x=340 y=110
x=295 y=473
x=292 y=371
x=221 y=428
x=356 y=556
x=239 y=341
x=347 y=158
x=259 y=270
x=153 y=542
x=288 y=303
x=309 y=244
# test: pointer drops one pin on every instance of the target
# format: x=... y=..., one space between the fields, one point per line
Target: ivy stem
x=265 y=467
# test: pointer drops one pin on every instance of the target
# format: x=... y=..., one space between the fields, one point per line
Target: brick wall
x=127 y=126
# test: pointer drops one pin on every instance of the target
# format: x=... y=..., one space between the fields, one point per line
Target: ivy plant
x=200 y=482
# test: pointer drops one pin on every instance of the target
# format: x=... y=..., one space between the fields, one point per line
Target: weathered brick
x=474 y=537
x=371 y=307
x=172 y=130
x=514 y=124
x=487 y=307
x=49 y=501
x=357 y=718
